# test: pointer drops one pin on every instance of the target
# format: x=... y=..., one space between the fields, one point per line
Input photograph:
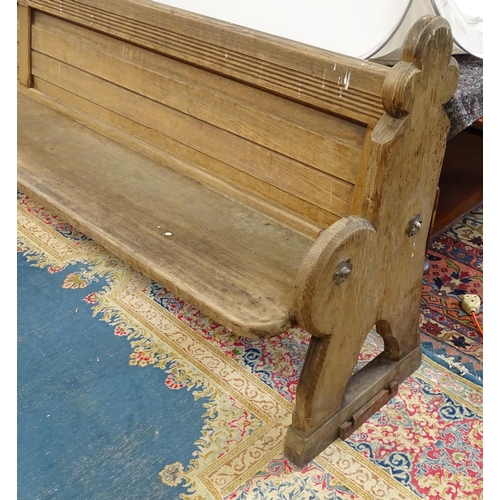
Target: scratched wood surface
x=245 y=135
x=241 y=110
x=255 y=141
x=264 y=61
x=232 y=262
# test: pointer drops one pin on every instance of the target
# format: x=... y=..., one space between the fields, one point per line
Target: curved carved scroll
x=333 y=276
x=426 y=71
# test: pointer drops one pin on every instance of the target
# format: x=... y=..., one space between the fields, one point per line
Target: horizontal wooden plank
x=342 y=85
x=184 y=88
x=285 y=208
x=306 y=117
x=228 y=260
x=308 y=184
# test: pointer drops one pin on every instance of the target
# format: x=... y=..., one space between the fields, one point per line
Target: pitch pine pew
x=268 y=182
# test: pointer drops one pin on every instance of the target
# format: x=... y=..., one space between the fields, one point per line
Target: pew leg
x=332 y=402
x=335 y=302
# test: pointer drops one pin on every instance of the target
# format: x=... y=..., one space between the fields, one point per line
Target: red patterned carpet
x=449 y=334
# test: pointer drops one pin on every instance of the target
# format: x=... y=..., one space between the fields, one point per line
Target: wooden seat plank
x=235 y=264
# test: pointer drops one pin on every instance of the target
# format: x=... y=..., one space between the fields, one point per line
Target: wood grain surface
x=233 y=263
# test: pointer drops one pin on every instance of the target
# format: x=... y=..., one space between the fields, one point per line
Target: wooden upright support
x=340 y=294
x=24 y=19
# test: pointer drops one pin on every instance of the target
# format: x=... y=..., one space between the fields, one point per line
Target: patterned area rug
x=125 y=391
x=449 y=334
